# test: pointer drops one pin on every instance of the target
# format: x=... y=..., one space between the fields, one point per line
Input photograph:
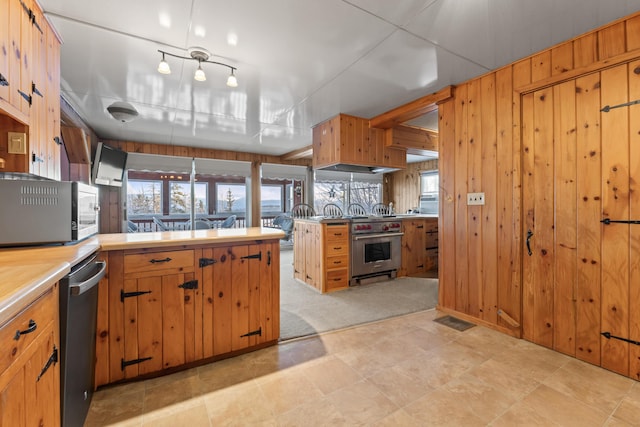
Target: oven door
x=373 y=253
x=86 y=209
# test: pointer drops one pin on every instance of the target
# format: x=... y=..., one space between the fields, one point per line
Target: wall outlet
x=475 y=199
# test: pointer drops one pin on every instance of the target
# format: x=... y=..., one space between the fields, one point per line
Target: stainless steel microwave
x=42 y=211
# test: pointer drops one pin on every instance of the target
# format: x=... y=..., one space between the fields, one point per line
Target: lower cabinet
x=162 y=309
x=419 y=246
x=30 y=374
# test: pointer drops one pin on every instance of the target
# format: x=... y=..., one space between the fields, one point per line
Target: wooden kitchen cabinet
x=431 y=243
x=241 y=297
x=30 y=373
x=30 y=88
x=349 y=139
x=162 y=309
x=413 y=247
x=322 y=254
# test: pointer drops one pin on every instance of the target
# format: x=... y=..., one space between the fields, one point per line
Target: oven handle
x=82 y=287
x=373 y=236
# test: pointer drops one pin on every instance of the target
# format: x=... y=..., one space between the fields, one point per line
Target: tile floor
x=405 y=371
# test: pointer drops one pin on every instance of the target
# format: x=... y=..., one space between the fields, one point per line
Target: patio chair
x=229 y=222
x=277 y=221
x=160 y=225
x=356 y=209
x=132 y=227
x=302 y=210
x=287 y=226
x=331 y=210
x=199 y=225
x=380 y=209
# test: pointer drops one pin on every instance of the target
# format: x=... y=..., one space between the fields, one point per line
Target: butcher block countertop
x=28 y=272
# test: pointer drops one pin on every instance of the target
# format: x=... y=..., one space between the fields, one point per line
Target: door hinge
x=608 y=221
x=3 y=81
x=608 y=335
x=204 y=262
x=53 y=359
x=31 y=15
x=35 y=90
x=254 y=256
x=27 y=98
x=252 y=333
x=191 y=284
x=124 y=294
x=125 y=363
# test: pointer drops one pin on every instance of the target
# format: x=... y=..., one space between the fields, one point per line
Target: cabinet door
x=413 y=249
x=159 y=327
x=5 y=50
x=299 y=254
x=29 y=394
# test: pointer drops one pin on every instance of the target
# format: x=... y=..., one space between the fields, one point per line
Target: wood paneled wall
x=404 y=185
x=480 y=151
x=112 y=213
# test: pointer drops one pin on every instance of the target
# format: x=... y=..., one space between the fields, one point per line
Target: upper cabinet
x=346 y=139
x=29 y=89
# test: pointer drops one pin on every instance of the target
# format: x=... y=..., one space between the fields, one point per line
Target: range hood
x=345 y=167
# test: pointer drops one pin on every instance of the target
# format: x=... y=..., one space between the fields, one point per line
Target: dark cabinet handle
x=154 y=261
x=529 y=236
x=32 y=327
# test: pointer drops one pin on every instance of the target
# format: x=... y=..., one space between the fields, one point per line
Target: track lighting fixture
x=200 y=55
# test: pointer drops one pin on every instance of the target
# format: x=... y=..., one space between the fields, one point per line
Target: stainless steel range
x=375 y=249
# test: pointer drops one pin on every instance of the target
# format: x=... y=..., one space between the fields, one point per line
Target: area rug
x=304 y=311
x=454 y=322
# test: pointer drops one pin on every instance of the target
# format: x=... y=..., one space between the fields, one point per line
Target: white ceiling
x=298 y=62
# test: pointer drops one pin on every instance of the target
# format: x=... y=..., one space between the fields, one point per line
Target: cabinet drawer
x=169 y=260
x=337 y=279
x=41 y=312
x=336 y=248
x=337 y=233
x=337 y=262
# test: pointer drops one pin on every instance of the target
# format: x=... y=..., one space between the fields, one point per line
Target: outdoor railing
x=147 y=224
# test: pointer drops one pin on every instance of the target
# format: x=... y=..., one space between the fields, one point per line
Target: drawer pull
x=337 y=262
x=32 y=327
x=155 y=261
x=337 y=248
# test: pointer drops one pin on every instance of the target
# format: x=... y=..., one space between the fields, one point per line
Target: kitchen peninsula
x=169 y=300
x=330 y=254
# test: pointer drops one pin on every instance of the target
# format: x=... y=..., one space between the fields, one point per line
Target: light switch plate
x=475 y=199
x=17 y=143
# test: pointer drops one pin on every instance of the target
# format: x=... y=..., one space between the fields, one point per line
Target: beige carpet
x=304 y=311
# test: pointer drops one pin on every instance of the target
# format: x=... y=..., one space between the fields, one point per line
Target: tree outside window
x=180 y=197
x=343 y=193
x=144 y=197
x=231 y=198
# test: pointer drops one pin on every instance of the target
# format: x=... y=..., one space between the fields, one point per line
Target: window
x=144 y=197
x=429 y=182
x=271 y=198
x=180 y=197
x=343 y=193
x=366 y=194
x=231 y=198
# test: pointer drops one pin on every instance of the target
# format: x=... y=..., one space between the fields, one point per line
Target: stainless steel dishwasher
x=78 y=308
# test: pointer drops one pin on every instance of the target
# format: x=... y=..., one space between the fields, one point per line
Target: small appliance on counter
x=36 y=210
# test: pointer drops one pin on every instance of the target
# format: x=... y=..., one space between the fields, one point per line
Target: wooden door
x=580 y=167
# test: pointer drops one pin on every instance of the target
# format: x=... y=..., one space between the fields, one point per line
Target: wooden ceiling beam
x=301 y=153
x=410 y=111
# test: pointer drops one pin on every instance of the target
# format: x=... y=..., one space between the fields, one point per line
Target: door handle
x=529 y=236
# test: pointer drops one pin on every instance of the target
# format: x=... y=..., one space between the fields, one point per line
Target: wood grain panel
x=508 y=276
x=634 y=212
x=488 y=220
x=588 y=157
x=255 y=266
x=611 y=41
x=150 y=315
x=541 y=66
x=116 y=316
x=564 y=292
x=275 y=292
x=448 y=201
x=130 y=328
x=615 y=205
x=222 y=301
x=633 y=33
x=207 y=304
x=562 y=58
x=544 y=217
x=474 y=213
x=461 y=189
x=528 y=191
x=239 y=297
